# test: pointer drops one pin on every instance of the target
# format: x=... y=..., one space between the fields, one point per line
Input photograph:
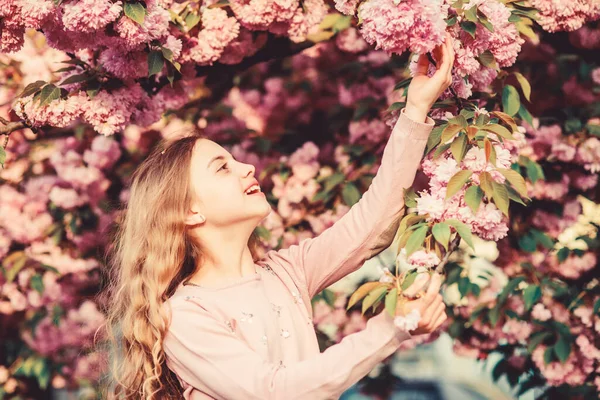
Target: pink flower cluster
x=415 y=25
x=566 y=15
x=107 y=112
x=488 y=222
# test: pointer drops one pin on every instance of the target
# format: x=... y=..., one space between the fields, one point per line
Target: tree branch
x=453 y=246
x=219 y=77
x=10 y=127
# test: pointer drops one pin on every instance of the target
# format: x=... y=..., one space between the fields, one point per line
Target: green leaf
x=531 y=295
x=361 y=292
x=391 y=300
x=410 y=197
x=486 y=183
x=191 y=20
x=440 y=150
x=463 y=230
x=373 y=296
x=451 y=21
x=487 y=59
x=396 y=106
x=469 y=27
x=155 y=62
x=516 y=180
x=416 y=240
x=562 y=254
x=441 y=233
x=48 y=94
x=167 y=54
x=510 y=100
x=459 y=148
x=350 y=194
x=457 y=182
x=525 y=86
x=471 y=14
x=525 y=115
x=527 y=243
x=37 y=283
x=597 y=306
x=536 y=339
x=494 y=315
x=463 y=286
x=434 y=138
x=403 y=84
x=2 y=156
x=449 y=132
x=542 y=238
x=135 y=12
x=342 y=23
x=484 y=21
x=500 y=196
x=409 y=279
x=498 y=130
x=219 y=4
x=31 y=88
x=76 y=79
x=12 y=272
x=534 y=171
x=473 y=197
x=562 y=348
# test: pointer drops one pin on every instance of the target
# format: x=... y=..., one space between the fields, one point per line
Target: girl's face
x=220 y=184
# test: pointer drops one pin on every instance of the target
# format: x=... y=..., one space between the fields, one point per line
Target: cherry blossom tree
x=308 y=91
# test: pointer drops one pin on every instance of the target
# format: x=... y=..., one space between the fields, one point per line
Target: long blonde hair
x=150 y=255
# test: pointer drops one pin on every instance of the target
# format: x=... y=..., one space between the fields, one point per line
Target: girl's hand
x=431 y=306
x=423 y=91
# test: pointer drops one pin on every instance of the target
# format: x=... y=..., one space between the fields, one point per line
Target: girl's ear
x=194 y=218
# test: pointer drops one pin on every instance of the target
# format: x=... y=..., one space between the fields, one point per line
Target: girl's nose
x=250 y=169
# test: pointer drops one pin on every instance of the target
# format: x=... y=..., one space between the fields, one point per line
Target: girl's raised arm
x=370 y=225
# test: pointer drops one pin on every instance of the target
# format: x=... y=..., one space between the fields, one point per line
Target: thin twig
x=10 y=127
x=453 y=246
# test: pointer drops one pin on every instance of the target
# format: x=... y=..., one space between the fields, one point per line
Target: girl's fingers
x=434 y=288
x=441 y=319
x=422 y=65
x=431 y=309
x=438 y=313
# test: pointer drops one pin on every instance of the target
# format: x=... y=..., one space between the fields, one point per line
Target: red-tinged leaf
x=507 y=119
x=488 y=149
x=472 y=131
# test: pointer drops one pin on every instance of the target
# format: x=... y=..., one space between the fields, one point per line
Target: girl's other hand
x=431 y=307
x=423 y=91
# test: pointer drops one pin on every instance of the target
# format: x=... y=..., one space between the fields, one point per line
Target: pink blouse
x=254 y=338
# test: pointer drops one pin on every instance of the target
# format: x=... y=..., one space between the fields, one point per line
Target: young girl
x=198 y=316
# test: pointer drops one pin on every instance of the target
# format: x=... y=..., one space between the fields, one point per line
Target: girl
x=199 y=316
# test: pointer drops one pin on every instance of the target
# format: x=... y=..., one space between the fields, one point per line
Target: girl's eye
x=223 y=167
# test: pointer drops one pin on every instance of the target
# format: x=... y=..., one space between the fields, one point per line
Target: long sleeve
x=208 y=356
x=370 y=225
